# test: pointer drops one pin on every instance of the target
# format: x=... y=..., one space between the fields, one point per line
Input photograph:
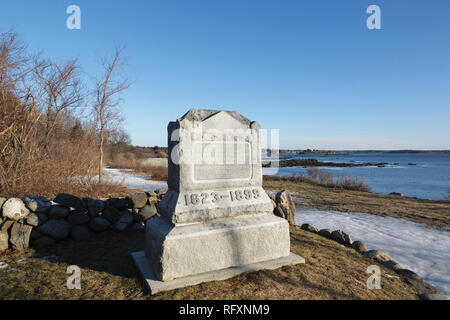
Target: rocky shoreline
x=316 y=163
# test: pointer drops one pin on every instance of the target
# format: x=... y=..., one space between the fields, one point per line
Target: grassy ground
x=331 y=272
x=429 y=212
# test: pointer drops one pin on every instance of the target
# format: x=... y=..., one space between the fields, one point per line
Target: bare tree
x=107 y=95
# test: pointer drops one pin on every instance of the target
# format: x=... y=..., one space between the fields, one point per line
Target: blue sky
x=309 y=68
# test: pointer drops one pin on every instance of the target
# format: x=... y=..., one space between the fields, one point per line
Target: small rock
x=325 y=233
x=95 y=207
x=111 y=214
x=58 y=212
x=3 y=265
x=139 y=199
x=99 y=224
x=71 y=201
x=148 y=212
x=37 y=204
x=162 y=191
x=378 y=255
x=32 y=219
x=151 y=194
x=78 y=217
x=43 y=241
x=14 y=209
x=126 y=219
x=80 y=233
x=309 y=227
x=341 y=237
x=359 y=246
x=396 y=194
x=284 y=202
x=57 y=229
x=20 y=236
x=4 y=240
x=391 y=264
x=434 y=296
x=409 y=274
x=120 y=203
x=42 y=217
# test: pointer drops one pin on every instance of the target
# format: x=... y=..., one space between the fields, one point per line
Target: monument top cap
x=203 y=114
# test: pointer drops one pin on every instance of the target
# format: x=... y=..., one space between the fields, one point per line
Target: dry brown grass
x=331 y=272
x=429 y=212
x=158 y=173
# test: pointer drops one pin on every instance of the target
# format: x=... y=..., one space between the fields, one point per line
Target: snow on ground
x=417 y=247
x=130 y=180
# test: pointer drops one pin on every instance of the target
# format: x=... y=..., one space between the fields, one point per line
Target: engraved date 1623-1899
x=213 y=197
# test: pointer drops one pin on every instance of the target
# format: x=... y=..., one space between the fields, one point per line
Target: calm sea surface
x=428 y=179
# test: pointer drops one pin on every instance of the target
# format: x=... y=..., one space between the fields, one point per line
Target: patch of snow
x=417 y=247
x=132 y=181
x=3 y=265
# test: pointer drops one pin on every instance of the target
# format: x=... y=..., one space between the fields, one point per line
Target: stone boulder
x=37 y=204
x=341 y=237
x=56 y=229
x=409 y=274
x=32 y=219
x=378 y=255
x=95 y=207
x=284 y=201
x=43 y=241
x=71 y=201
x=20 y=236
x=325 y=233
x=99 y=224
x=149 y=211
x=14 y=209
x=309 y=227
x=126 y=219
x=391 y=264
x=111 y=214
x=120 y=203
x=58 y=212
x=78 y=217
x=359 y=246
x=139 y=200
x=4 y=244
x=80 y=233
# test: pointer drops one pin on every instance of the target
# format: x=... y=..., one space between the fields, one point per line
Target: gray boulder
x=78 y=217
x=56 y=229
x=71 y=201
x=409 y=274
x=309 y=227
x=42 y=217
x=32 y=219
x=378 y=255
x=43 y=241
x=126 y=219
x=391 y=264
x=99 y=224
x=14 y=209
x=325 y=233
x=20 y=236
x=80 y=233
x=149 y=211
x=4 y=240
x=359 y=246
x=139 y=200
x=37 y=204
x=341 y=237
x=58 y=212
x=285 y=203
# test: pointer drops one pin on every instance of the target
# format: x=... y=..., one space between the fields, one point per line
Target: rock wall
x=38 y=222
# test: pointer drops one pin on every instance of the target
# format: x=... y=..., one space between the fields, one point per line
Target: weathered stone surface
x=99 y=224
x=111 y=214
x=14 y=209
x=32 y=219
x=153 y=200
x=57 y=229
x=42 y=217
x=180 y=251
x=378 y=255
x=4 y=240
x=95 y=207
x=151 y=194
x=139 y=199
x=309 y=227
x=20 y=236
x=78 y=217
x=71 y=201
x=147 y=212
x=391 y=264
x=58 y=212
x=409 y=274
x=80 y=233
x=341 y=237
x=43 y=241
x=120 y=203
x=126 y=219
x=359 y=246
x=283 y=200
x=325 y=233
x=37 y=204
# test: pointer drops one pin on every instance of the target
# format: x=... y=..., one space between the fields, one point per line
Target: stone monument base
x=177 y=256
x=153 y=285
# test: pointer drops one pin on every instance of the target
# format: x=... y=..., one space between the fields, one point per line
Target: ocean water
x=428 y=179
